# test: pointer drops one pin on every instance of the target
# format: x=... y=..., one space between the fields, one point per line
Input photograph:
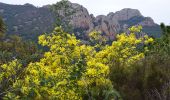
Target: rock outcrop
x=126 y=14
x=111 y=24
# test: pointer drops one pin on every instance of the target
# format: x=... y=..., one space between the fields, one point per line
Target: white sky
x=159 y=10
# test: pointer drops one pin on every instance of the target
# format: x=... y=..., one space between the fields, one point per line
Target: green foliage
x=2 y=29
x=13 y=47
x=157 y=75
x=148 y=78
x=9 y=73
x=161 y=45
x=62 y=11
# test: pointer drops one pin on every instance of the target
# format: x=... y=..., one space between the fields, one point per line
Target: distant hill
x=26 y=20
x=29 y=21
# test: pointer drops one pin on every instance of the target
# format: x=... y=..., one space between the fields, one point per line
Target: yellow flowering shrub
x=67 y=71
x=97 y=40
x=9 y=73
x=71 y=70
x=123 y=52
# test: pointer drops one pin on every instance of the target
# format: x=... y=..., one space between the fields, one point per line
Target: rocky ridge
x=31 y=21
x=112 y=23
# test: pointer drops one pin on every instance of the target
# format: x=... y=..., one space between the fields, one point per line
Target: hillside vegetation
x=61 y=65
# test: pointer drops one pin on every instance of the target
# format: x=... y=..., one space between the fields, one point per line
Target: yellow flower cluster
x=71 y=70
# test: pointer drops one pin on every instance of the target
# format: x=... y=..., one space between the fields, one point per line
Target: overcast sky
x=159 y=10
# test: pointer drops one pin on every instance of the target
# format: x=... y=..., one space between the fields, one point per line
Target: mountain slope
x=30 y=21
x=26 y=20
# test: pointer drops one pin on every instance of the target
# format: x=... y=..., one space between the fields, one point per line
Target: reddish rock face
x=109 y=25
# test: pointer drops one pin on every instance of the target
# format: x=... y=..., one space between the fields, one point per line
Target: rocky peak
x=126 y=14
x=81 y=18
x=111 y=14
x=106 y=25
